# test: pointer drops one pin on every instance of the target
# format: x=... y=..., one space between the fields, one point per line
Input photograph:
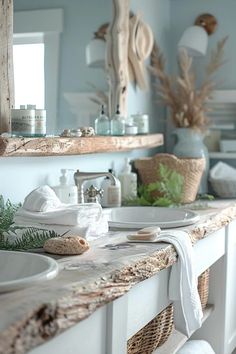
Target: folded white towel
x=196 y=347
x=41 y=199
x=89 y=232
x=222 y=170
x=78 y=214
x=183 y=282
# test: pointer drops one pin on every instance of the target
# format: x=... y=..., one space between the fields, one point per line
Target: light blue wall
x=18 y=176
x=157 y=14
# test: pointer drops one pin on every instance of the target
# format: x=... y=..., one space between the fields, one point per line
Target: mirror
x=68 y=27
x=67 y=77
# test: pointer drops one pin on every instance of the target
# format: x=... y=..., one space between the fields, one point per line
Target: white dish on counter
x=22 y=269
x=143 y=216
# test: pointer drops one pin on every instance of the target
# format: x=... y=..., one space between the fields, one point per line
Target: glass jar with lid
x=142 y=122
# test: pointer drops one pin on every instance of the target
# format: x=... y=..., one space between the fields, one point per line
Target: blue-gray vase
x=190 y=144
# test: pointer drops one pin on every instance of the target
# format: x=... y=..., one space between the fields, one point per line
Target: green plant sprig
x=169 y=186
x=30 y=239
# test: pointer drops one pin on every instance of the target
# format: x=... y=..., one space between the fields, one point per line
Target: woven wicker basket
x=154 y=334
x=190 y=168
x=224 y=188
x=203 y=287
x=158 y=330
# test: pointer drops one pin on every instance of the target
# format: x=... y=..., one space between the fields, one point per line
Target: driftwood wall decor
x=6 y=65
x=117 y=56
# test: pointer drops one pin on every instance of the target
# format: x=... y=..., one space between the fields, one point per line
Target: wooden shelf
x=177 y=339
x=58 y=146
x=222 y=155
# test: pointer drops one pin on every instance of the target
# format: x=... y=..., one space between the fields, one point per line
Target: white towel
x=74 y=215
x=183 y=282
x=89 y=232
x=41 y=199
x=196 y=347
x=222 y=171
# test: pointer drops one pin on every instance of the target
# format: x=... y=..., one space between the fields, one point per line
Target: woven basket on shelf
x=190 y=168
x=203 y=287
x=154 y=334
x=224 y=188
x=158 y=330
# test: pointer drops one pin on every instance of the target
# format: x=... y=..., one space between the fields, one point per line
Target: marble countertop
x=111 y=267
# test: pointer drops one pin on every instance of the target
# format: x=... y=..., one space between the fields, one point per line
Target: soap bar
x=150 y=230
x=142 y=237
x=145 y=234
x=66 y=245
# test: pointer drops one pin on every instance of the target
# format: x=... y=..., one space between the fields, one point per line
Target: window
x=29 y=80
x=36 y=60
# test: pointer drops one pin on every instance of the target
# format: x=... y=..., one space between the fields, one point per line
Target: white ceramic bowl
x=21 y=269
x=143 y=216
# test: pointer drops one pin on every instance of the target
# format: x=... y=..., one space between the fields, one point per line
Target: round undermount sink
x=143 y=216
x=21 y=269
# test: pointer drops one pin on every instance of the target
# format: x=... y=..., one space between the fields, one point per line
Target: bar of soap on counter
x=66 y=245
x=146 y=234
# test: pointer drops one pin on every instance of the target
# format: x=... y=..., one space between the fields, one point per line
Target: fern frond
x=30 y=239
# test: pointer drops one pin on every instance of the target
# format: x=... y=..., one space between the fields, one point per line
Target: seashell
x=87 y=131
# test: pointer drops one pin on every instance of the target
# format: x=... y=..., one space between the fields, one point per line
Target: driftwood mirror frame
x=117 y=60
x=117 y=56
x=6 y=67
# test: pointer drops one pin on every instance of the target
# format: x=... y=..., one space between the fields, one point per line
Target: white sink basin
x=21 y=269
x=138 y=217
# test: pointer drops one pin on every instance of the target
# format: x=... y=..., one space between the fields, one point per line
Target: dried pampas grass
x=188 y=103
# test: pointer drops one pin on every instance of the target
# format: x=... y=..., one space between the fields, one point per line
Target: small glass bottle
x=118 y=123
x=102 y=124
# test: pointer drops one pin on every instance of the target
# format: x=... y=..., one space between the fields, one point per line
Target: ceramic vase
x=190 y=144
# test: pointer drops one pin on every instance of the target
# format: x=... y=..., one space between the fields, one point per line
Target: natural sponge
x=66 y=245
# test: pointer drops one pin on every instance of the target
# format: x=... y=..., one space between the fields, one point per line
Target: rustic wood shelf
x=58 y=146
x=222 y=155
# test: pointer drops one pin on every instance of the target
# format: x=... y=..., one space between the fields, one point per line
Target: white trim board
x=38 y=21
x=224 y=96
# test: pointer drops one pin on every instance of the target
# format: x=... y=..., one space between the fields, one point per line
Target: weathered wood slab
x=30 y=317
x=56 y=146
x=6 y=65
x=117 y=57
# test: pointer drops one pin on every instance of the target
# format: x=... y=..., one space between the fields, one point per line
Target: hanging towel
x=41 y=199
x=68 y=214
x=196 y=347
x=183 y=282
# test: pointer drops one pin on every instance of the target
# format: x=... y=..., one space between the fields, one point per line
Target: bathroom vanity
x=101 y=299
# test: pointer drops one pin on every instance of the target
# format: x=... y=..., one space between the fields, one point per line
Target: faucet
x=81 y=177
